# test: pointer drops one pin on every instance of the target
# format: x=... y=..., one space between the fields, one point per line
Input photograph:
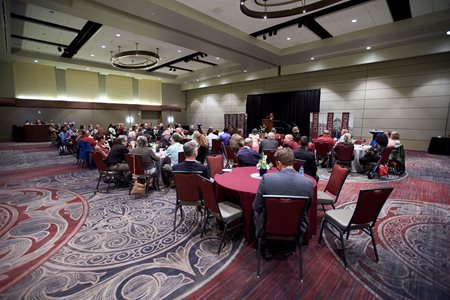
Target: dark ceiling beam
x=307 y=18
x=400 y=9
x=180 y=68
x=45 y=23
x=186 y=59
x=317 y=29
x=37 y=41
x=204 y=62
x=88 y=30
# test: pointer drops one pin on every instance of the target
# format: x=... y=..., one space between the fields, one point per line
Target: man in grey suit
x=268 y=144
x=285 y=182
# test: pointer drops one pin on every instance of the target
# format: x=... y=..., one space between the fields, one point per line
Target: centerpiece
x=262 y=165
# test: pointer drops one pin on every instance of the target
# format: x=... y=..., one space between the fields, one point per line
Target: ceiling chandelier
x=265 y=9
x=135 y=59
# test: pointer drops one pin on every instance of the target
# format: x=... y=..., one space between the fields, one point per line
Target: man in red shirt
x=326 y=138
x=289 y=142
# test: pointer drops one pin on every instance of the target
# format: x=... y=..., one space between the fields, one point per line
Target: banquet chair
x=230 y=153
x=109 y=176
x=282 y=222
x=364 y=216
x=344 y=154
x=298 y=163
x=181 y=157
x=225 y=212
x=84 y=150
x=216 y=146
x=383 y=161
x=322 y=151
x=333 y=188
x=137 y=170
x=187 y=192
x=215 y=164
x=270 y=156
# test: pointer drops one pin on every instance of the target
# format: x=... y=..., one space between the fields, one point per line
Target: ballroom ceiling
x=200 y=40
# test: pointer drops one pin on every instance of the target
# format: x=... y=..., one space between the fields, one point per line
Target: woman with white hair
x=148 y=156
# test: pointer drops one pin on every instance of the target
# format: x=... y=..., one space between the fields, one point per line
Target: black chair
x=282 y=222
x=370 y=202
x=104 y=173
x=225 y=212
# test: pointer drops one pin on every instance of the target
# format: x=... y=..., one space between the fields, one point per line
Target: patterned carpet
x=126 y=248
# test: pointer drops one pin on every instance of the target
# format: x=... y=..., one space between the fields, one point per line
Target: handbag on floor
x=138 y=189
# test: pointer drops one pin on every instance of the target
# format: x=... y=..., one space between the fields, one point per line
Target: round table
x=358 y=151
x=240 y=187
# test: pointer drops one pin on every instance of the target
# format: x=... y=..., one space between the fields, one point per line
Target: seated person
x=246 y=155
x=343 y=132
x=237 y=141
x=285 y=182
x=374 y=153
x=171 y=158
x=302 y=153
x=289 y=142
x=164 y=143
x=202 y=144
x=225 y=137
x=277 y=136
x=88 y=138
x=101 y=147
x=191 y=164
x=296 y=134
x=255 y=137
x=326 y=137
x=210 y=135
x=148 y=156
x=115 y=161
x=269 y=143
x=394 y=140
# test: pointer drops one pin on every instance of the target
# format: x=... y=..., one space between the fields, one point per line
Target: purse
x=138 y=189
x=382 y=170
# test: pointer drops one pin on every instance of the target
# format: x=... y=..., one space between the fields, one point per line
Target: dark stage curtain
x=286 y=106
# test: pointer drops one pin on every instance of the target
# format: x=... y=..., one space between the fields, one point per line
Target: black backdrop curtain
x=286 y=106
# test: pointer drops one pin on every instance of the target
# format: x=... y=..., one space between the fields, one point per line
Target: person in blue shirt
x=225 y=137
x=172 y=154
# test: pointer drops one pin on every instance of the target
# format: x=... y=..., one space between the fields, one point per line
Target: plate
x=226 y=170
x=255 y=175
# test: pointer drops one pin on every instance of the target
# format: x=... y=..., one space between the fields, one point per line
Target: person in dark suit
x=246 y=155
x=285 y=182
x=268 y=144
x=191 y=164
x=302 y=153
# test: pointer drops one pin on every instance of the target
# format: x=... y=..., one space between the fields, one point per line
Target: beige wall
x=408 y=95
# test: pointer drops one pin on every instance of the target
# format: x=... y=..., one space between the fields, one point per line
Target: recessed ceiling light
x=197 y=79
x=368 y=48
x=245 y=71
x=312 y=58
x=36 y=61
x=217 y=57
x=117 y=34
x=88 y=69
x=304 y=11
x=218 y=75
x=92 y=55
x=103 y=46
x=354 y=21
x=179 y=51
x=448 y=32
x=288 y=38
x=265 y=17
x=185 y=82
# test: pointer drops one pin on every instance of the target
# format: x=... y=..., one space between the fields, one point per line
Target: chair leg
x=374 y=246
x=258 y=257
x=323 y=207
x=204 y=224
x=175 y=219
x=99 y=178
x=300 y=261
x=344 y=258
x=332 y=204
x=109 y=182
x=223 y=237
x=322 y=227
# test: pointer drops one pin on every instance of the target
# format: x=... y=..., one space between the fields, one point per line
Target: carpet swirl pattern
x=412 y=241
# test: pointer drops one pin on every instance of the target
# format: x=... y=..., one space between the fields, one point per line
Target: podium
x=268 y=123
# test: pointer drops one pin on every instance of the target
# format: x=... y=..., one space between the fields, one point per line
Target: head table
x=240 y=186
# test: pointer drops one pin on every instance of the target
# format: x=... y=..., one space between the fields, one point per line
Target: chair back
x=359 y=141
x=345 y=153
x=215 y=164
x=385 y=156
x=298 y=163
x=186 y=185
x=370 y=202
x=283 y=214
x=270 y=156
x=337 y=179
x=101 y=166
x=216 y=147
x=135 y=164
x=322 y=148
x=231 y=153
x=181 y=157
x=209 y=196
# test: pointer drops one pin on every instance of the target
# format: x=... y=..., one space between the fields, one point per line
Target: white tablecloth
x=359 y=152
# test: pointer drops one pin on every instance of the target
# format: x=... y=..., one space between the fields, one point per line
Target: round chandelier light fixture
x=135 y=59
x=271 y=9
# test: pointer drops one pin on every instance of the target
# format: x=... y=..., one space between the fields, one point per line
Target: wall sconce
x=170 y=119
x=130 y=120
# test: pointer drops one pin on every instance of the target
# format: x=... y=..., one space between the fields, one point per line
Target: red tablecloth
x=239 y=187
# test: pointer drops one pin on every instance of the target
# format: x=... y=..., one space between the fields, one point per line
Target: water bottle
x=302 y=171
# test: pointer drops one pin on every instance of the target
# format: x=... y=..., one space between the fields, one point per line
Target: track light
x=264 y=37
x=270 y=33
x=275 y=32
